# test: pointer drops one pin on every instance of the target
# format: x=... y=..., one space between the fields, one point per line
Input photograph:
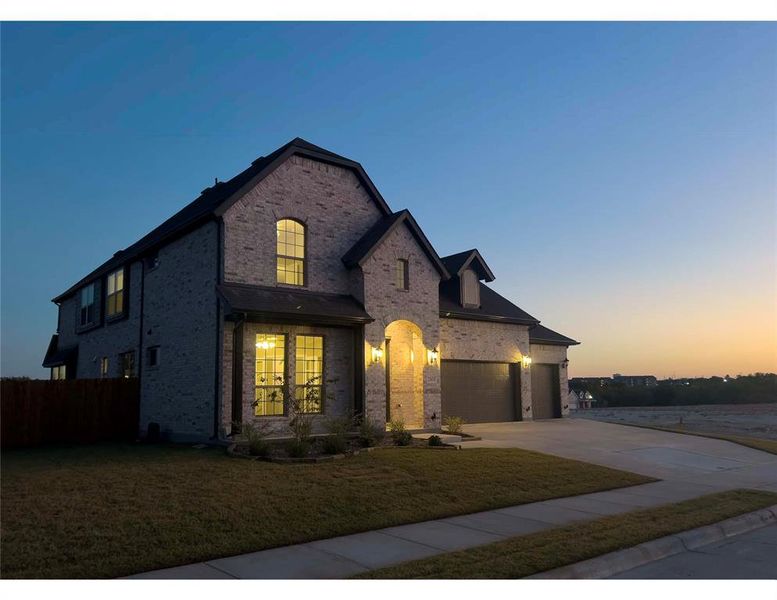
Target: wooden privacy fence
x=36 y=412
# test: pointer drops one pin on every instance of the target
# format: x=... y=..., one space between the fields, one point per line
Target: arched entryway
x=405 y=355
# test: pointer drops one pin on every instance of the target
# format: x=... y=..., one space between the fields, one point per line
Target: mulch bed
x=277 y=452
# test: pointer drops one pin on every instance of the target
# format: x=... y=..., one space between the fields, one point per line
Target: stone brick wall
x=180 y=316
x=338 y=366
x=106 y=339
x=485 y=340
x=329 y=200
x=386 y=303
x=551 y=354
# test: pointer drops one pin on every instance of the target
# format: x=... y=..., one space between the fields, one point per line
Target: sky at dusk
x=620 y=179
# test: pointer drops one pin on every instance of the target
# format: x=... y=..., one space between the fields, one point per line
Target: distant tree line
x=743 y=389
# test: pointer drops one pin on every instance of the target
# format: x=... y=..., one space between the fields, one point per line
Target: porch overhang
x=262 y=304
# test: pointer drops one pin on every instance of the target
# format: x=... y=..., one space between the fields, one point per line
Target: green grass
x=112 y=510
x=538 y=552
x=743 y=440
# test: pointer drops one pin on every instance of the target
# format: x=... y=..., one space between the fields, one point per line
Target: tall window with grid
x=114 y=298
x=309 y=376
x=290 y=252
x=270 y=374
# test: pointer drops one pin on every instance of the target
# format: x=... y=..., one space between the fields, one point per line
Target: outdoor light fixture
x=526 y=361
x=564 y=363
x=377 y=354
x=433 y=355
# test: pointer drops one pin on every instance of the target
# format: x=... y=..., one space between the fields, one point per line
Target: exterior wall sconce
x=433 y=356
x=377 y=355
x=564 y=363
x=526 y=362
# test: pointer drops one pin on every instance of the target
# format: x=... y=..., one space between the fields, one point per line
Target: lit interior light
x=526 y=361
x=377 y=355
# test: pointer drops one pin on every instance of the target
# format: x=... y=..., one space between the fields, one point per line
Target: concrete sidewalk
x=348 y=555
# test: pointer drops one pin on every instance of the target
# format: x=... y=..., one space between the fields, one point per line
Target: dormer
x=470 y=269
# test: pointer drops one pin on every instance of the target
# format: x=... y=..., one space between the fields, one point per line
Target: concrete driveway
x=689 y=459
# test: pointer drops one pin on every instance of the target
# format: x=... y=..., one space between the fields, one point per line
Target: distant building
x=580 y=400
x=635 y=380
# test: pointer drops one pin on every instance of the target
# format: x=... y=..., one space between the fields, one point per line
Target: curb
x=648 y=552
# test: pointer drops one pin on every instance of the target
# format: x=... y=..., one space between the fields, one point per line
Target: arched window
x=290 y=252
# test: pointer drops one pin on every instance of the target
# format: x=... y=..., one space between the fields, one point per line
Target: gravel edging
x=648 y=552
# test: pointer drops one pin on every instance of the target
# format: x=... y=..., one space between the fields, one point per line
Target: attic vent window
x=470 y=289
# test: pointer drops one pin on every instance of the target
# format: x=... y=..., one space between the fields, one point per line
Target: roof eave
x=445 y=314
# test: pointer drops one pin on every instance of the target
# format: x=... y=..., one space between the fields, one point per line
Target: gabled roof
x=291 y=305
x=215 y=200
x=493 y=307
x=460 y=262
x=542 y=335
x=369 y=242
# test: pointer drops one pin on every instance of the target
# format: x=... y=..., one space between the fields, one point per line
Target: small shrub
x=435 y=440
x=399 y=434
x=297 y=448
x=336 y=442
x=333 y=444
x=369 y=433
x=254 y=436
x=454 y=424
x=402 y=438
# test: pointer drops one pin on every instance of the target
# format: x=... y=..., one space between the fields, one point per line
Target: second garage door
x=479 y=392
x=545 y=392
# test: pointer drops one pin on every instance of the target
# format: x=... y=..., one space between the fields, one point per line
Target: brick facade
x=190 y=392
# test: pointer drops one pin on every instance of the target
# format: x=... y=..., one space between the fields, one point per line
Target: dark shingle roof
x=542 y=335
x=282 y=303
x=369 y=242
x=56 y=356
x=493 y=307
x=215 y=200
x=456 y=263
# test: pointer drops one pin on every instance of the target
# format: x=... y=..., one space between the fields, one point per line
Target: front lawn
x=112 y=510
x=546 y=550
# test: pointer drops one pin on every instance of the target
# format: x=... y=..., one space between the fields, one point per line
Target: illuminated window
x=114 y=299
x=402 y=275
x=309 y=372
x=58 y=372
x=104 y=366
x=86 y=314
x=290 y=250
x=127 y=364
x=270 y=374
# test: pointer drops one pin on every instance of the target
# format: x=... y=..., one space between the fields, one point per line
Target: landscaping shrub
x=369 y=433
x=336 y=441
x=435 y=440
x=254 y=436
x=454 y=424
x=297 y=448
x=399 y=434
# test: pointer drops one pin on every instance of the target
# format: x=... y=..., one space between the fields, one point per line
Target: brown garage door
x=545 y=393
x=479 y=392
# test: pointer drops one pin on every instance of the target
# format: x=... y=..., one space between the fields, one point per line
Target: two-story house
x=297 y=272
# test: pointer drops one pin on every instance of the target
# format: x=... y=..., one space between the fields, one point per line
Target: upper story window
x=86 y=313
x=403 y=274
x=470 y=289
x=290 y=250
x=114 y=293
x=59 y=372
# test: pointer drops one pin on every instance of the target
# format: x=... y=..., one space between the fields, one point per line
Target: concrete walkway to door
x=672 y=457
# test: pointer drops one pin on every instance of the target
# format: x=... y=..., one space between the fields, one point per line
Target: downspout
x=219 y=321
x=140 y=336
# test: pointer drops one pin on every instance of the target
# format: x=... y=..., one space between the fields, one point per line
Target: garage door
x=545 y=394
x=479 y=392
